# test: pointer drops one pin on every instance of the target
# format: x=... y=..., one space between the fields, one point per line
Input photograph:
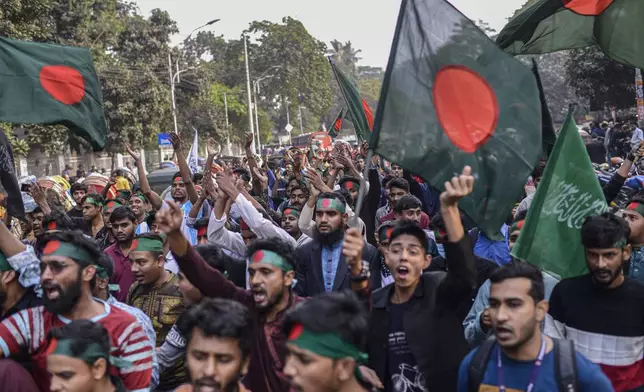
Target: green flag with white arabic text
x=568 y=193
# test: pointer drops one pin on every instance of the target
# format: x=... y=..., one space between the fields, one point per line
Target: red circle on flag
x=63 y=83
x=295 y=332
x=587 y=7
x=51 y=225
x=51 y=247
x=466 y=106
x=258 y=256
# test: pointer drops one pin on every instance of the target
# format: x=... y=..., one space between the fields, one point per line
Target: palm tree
x=345 y=56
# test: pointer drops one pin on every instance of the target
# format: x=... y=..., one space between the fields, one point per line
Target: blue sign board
x=164 y=139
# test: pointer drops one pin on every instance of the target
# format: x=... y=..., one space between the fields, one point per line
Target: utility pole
x=251 y=128
x=301 y=123
x=230 y=152
x=174 y=105
x=259 y=143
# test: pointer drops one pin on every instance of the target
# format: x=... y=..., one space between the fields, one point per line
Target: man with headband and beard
x=219 y=337
x=320 y=264
x=68 y=272
x=327 y=337
x=271 y=269
x=601 y=311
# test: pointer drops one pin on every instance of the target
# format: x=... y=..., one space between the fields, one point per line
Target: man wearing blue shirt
x=522 y=357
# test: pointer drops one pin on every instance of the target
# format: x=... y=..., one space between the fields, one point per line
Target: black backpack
x=565 y=365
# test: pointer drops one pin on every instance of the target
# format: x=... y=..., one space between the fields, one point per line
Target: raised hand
x=352 y=249
x=249 y=140
x=133 y=154
x=457 y=188
x=262 y=178
x=213 y=148
x=176 y=141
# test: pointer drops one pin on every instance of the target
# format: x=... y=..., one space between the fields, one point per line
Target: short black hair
x=151 y=236
x=77 y=238
x=221 y=318
x=58 y=220
x=410 y=228
x=604 y=231
x=243 y=173
x=399 y=183
x=538 y=170
x=275 y=245
x=521 y=215
x=122 y=212
x=407 y=202
x=82 y=334
x=203 y=222
x=197 y=177
x=347 y=196
x=386 y=180
x=335 y=312
x=519 y=269
x=333 y=195
x=213 y=255
x=301 y=187
x=151 y=218
x=98 y=198
x=78 y=187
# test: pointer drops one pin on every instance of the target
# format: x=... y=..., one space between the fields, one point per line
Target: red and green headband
x=67 y=249
x=89 y=355
x=140 y=196
x=111 y=205
x=334 y=204
x=517 y=226
x=350 y=185
x=268 y=257
x=326 y=344
x=202 y=231
x=637 y=207
x=145 y=244
x=384 y=234
x=291 y=212
x=92 y=201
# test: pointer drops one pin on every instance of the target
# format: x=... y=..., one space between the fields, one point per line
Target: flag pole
x=361 y=192
x=344 y=95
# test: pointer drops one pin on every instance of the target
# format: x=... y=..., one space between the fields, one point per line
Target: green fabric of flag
x=51 y=84
x=552 y=25
x=568 y=192
x=357 y=108
x=337 y=125
x=548 y=135
x=451 y=98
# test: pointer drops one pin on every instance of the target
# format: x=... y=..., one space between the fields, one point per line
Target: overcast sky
x=368 y=24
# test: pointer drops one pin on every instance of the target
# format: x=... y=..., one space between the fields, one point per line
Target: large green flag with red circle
x=51 y=84
x=451 y=98
x=551 y=25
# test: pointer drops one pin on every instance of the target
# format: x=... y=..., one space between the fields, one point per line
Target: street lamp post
x=263 y=76
x=251 y=127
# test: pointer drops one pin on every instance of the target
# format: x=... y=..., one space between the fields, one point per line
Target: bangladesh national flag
x=568 y=192
x=451 y=98
x=337 y=125
x=551 y=25
x=357 y=108
x=548 y=135
x=51 y=84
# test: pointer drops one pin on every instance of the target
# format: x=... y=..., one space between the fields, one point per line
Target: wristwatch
x=364 y=274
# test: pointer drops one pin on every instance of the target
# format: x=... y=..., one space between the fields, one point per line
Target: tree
x=602 y=81
x=345 y=56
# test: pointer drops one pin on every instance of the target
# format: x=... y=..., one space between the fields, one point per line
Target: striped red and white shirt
x=26 y=332
x=606 y=325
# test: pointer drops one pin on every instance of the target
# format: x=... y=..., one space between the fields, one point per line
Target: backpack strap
x=565 y=365
x=478 y=364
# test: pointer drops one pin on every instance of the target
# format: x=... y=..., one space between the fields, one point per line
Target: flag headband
x=67 y=249
x=637 y=207
x=291 y=212
x=349 y=185
x=331 y=203
x=384 y=234
x=111 y=205
x=517 y=226
x=90 y=355
x=92 y=201
x=145 y=244
x=141 y=196
x=327 y=344
x=202 y=231
x=268 y=257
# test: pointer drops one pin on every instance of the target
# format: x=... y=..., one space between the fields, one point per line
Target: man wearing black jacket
x=415 y=341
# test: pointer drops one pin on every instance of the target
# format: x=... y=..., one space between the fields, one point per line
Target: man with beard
x=634 y=216
x=93 y=214
x=220 y=336
x=140 y=205
x=521 y=356
x=320 y=264
x=68 y=270
x=396 y=170
x=602 y=312
x=155 y=292
x=290 y=218
x=36 y=218
x=271 y=268
x=327 y=337
x=297 y=197
x=123 y=223
x=78 y=192
x=19 y=275
x=415 y=336
x=79 y=359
